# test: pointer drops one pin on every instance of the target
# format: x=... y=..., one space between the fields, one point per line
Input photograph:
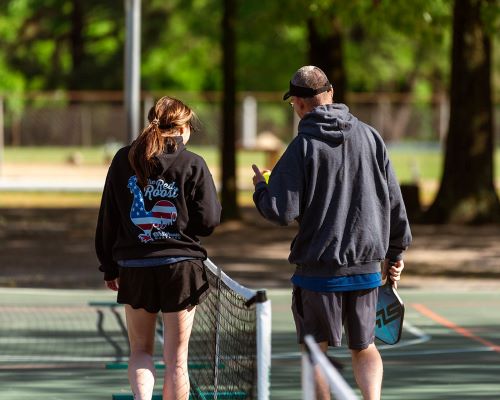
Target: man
x=335 y=179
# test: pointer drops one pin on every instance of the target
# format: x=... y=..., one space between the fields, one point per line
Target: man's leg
x=320 y=315
x=322 y=388
x=368 y=371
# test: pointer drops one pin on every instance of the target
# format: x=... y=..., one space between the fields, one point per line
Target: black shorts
x=165 y=288
x=323 y=314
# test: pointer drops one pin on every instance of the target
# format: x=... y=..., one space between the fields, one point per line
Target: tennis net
x=229 y=350
x=313 y=359
x=230 y=346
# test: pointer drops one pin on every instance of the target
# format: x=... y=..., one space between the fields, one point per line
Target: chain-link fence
x=98 y=118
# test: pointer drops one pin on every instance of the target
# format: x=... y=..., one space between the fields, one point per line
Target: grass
x=73 y=199
x=424 y=161
x=100 y=155
x=55 y=155
x=411 y=166
x=48 y=199
x=411 y=162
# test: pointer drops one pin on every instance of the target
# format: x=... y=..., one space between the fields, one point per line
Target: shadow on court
x=450 y=345
x=450 y=349
x=55 y=248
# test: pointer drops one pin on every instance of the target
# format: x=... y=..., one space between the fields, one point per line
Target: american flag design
x=163 y=214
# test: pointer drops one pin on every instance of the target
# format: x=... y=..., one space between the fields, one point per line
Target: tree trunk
x=77 y=45
x=467 y=192
x=229 y=189
x=326 y=52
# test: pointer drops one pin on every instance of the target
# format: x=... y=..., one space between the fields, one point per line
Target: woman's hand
x=113 y=284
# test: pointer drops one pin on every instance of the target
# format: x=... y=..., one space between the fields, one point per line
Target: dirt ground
x=54 y=248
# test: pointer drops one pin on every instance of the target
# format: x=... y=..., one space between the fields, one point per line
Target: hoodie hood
x=167 y=159
x=330 y=123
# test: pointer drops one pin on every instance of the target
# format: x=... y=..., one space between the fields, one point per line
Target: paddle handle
x=389 y=279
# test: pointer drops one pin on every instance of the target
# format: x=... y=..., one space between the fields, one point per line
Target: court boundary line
x=427 y=312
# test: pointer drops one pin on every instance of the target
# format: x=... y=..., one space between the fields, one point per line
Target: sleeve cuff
x=260 y=186
x=109 y=275
x=394 y=256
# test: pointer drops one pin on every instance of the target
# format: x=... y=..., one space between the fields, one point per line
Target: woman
x=158 y=198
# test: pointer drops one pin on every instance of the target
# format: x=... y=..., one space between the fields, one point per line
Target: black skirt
x=165 y=288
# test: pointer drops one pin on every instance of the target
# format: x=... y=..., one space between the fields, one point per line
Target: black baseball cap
x=300 y=91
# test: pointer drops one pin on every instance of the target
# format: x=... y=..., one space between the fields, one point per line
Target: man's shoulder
x=296 y=143
x=369 y=130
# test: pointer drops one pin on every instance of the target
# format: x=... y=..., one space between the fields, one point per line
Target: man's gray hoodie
x=335 y=179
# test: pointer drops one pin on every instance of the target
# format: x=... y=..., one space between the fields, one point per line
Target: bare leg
x=368 y=371
x=322 y=389
x=141 y=333
x=177 y=331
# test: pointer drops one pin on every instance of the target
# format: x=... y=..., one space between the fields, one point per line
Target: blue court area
x=450 y=347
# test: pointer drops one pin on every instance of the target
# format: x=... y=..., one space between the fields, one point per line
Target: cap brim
x=305 y=92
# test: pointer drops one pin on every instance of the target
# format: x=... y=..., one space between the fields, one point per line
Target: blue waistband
x=152 y=262
x=338 y=283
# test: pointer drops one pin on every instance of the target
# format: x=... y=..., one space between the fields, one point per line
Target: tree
x=467 y=192
x=58 y=44
x=326 y=51
x=229 y=187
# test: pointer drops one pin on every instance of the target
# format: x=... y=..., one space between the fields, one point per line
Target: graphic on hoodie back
x=163 y=214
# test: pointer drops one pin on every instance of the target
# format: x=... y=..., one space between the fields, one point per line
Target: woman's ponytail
x=165 y=119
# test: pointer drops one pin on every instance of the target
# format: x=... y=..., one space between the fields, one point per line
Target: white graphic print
x=154 y=222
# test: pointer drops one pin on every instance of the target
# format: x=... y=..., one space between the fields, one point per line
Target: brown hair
x=165 y=119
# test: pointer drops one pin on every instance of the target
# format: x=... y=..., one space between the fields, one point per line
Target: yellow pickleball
x=266 y=175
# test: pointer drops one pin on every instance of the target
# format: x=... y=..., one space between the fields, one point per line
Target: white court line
x=56 y=292
x=22 y=340
x=420 y=337
x=60 y=359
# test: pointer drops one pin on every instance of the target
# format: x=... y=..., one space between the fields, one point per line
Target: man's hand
x=394 y=269
x=258 y=177
x=113 y=284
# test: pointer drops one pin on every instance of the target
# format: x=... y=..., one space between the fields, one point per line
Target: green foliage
x=387 y=46
x=78 y=44
x=181 y=45
x=62 y=44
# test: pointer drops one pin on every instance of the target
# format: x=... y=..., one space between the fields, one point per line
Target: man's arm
x=400 y=234
x=279 y=200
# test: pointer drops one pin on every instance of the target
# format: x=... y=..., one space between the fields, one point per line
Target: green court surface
x=450 y=347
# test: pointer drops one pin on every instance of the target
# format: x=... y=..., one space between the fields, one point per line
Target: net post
x=307 y=376
x=338 y=386
x=263 y=309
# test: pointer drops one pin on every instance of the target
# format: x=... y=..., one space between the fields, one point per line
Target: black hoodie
x=162 y=219
x=336 y=180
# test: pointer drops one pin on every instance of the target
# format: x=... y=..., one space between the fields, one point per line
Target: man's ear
x=299 y=102
x=301 y=106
